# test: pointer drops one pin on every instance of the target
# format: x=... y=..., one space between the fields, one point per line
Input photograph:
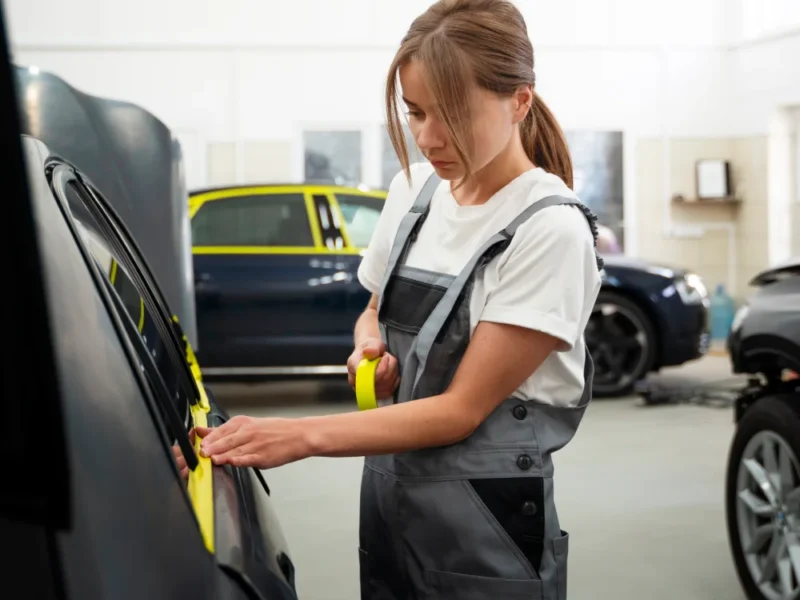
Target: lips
x=440 y=163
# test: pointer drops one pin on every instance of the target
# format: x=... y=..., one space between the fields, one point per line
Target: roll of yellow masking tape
x=365 y=383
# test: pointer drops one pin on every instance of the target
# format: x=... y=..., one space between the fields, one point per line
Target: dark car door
x=224 y=500
x=267 y=291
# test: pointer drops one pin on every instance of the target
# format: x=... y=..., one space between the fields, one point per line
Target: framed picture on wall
x=713 y=179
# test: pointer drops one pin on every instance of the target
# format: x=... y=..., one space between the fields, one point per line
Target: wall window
x=361 y=215
x=267 y=220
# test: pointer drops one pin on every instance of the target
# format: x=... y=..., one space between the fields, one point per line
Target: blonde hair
x=485 y=42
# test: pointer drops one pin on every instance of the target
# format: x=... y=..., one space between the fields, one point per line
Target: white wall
x=764 y=47
x=252 y=69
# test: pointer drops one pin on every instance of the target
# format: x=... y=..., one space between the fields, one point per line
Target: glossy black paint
x=131 y=531
x=765 y=337
x=133 y=159
x=682 y=328
x=276 y=309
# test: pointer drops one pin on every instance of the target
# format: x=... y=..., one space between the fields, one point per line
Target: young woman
x=483 y=273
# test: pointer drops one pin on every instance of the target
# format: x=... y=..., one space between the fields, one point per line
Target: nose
x=431 y=136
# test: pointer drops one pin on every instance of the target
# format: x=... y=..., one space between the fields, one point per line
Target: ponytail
x=544 y=141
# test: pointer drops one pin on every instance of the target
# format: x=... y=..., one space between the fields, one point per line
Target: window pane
x=361 y=216
x=268 y=220
x=110 y=265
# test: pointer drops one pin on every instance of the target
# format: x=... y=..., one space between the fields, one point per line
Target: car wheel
x=763 y=499
x=622 y=341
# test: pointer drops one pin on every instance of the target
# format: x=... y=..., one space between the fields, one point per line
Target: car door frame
x=207 y=483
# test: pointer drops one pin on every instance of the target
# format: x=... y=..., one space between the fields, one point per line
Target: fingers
x=373 y=348
x=225 y=437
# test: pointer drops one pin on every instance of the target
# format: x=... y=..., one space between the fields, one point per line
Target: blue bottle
x=723 y=309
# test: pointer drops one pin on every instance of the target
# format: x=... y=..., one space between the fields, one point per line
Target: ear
x=523 y=101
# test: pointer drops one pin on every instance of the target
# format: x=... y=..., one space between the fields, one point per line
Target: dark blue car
x=277 y=293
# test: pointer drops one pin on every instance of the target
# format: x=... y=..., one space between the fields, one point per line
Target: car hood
x=788 y=268
x=627 y=262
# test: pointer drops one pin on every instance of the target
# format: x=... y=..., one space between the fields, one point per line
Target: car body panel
x=683 y=328
x=765 y=336
x=134 y=529
x=135 y=162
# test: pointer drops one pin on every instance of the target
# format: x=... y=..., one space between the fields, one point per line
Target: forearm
x=424 y=423
x=366 y=326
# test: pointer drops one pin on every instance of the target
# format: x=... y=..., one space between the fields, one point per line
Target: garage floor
x=640 y=489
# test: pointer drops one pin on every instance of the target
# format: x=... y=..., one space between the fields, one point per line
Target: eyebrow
x=409 y=102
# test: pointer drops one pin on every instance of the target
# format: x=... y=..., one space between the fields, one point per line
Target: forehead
x=413 y=83
x=415 y=90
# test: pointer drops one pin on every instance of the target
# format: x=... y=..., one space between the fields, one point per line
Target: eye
x=414 y=114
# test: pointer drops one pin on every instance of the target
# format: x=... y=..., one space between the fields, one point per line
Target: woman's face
x=494 y=123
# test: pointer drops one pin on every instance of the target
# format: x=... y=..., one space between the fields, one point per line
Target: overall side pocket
x=363 y=565
x=516 y=505
x=561 y=553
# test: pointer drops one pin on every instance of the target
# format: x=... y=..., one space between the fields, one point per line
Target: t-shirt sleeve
x=376 y=256
x=547 y=276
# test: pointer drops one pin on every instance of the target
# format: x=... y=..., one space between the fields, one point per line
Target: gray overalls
x=476 y=519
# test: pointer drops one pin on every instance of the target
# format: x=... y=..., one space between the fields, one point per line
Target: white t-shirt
x=547 y=279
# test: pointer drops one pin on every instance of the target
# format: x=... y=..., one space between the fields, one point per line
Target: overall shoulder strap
x=409 y=225
x=496 y=244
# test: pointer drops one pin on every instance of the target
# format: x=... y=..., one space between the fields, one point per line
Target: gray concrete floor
x=640 y=489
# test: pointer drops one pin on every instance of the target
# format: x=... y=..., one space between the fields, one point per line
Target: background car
x=99 y=393
x=762 y=494
x=277 y=290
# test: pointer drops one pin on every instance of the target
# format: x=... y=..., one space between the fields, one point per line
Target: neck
x=498 y=173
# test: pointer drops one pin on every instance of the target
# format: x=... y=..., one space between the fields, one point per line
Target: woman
x=483 y=274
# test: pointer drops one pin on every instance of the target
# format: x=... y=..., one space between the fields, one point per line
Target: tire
x=772 y=422
x=618 y=321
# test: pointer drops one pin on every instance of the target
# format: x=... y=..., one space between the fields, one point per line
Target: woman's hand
x=250 y=442
x=387 y=375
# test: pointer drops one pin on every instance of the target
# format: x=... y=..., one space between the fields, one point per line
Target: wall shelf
x=730 y=202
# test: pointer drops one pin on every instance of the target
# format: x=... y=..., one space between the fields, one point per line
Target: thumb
x=373 y=348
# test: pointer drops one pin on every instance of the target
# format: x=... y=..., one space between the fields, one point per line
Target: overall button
x=520 y=412
x=524 y=462
x=529 y=508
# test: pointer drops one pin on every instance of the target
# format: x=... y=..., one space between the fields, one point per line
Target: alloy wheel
x=768 y=515
x=618 y=342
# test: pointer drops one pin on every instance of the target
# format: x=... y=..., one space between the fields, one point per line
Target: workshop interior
x=192 y=187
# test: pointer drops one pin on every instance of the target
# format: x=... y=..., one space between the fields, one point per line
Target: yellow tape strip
x=365 y=384
x=201 y=489
x=201 y=480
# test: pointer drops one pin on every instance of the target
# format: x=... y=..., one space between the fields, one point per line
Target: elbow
x=469 y=418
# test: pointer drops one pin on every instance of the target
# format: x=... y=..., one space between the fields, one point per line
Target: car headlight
x=692 y=290
x=739 y=318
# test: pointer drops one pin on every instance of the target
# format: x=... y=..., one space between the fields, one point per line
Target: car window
x=330 y=225
x=123 y=280
x=360 y=216
x=264 y=220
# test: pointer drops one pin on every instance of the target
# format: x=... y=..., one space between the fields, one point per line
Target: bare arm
x=498 y=360
x=367 y=323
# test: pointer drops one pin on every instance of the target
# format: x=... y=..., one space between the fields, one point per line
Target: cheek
x=490 y=137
